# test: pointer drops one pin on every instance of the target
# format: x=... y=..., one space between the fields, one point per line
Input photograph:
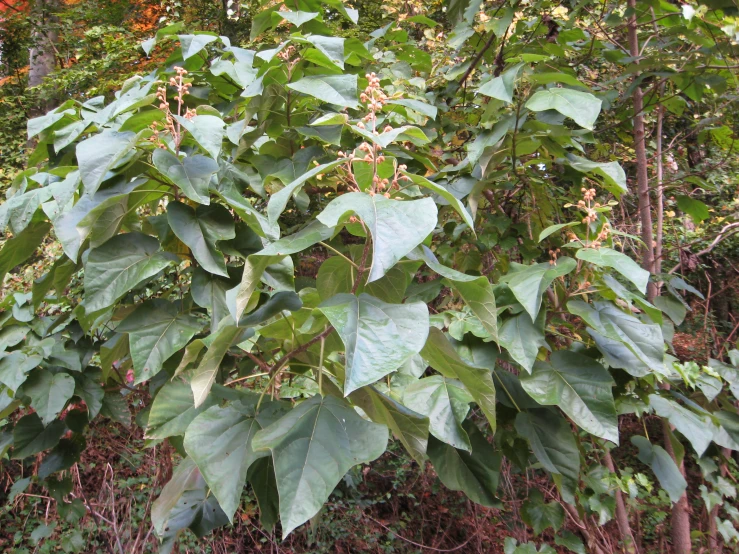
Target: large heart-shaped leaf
x=581 y=387
x=99 y=154
x=340 y=90
x=446 y=403
x=313 y=446
x=662 y=465
x=172 y=410
x=192 y=174
x=219 y=442
x=441 y=355
x=378 y=337
x=397 y=227
x=606 y=257
x=523 y=338
x=204 y=375
x=31 y=436
x=207 y=130
x=200 y=229
x=552 y=441
x=582 y=107
x=49 y=393
x=120 y=265
x=528 y=282
x=157 y=329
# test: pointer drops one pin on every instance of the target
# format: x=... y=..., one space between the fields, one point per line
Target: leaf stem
x=329 y=247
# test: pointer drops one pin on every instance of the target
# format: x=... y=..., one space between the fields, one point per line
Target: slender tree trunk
x=660 y=191
x=622 y=515
x=42 y=53
x=680 y=522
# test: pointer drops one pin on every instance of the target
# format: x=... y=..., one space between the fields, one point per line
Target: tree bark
x=622 y=515
x=680 y=522
x=42 y=55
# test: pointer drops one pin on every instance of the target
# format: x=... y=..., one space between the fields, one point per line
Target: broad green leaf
x=15 y=366
x=340 y=90
x=446 y=403
x=501 y=87
x=49 y=393
x=261 y=477
x=571 y=542
x=696 y=209
x=278 y=201
x=612 y=173
x=409 y=428
x=474 y=473
x=378 y=337
x=697 y=429
x=662 y=465
x=445 y=194
x=219 y=442
x=523 y=339
x=99 y=154
x=397 y=134
x=581 y=387
x=605 y=257
x=31 y=436
x=298 y=18
x=200 y=229
x=191 y=174
x=193 y=44
x=331 y=47
x=157 y=330
x=554 y=228
x=625 y=341
x=244 y=209
x=397 y=227
x=204 y=375
x=552 y=441
x=207 y=130
x=336 y=275
x=529 y=282
x=172 y=410
x=540 y=515
x=277 y=304
x=313 y=446
x=38 y=125
x=582 y=107
x=18 y=249
x=421 y=107
x=440 y=354
x=120 y=265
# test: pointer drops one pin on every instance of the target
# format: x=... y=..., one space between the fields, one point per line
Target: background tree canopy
x=320 y=276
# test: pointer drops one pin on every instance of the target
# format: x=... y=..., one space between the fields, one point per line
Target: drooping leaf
x=446 y=403
x=697 y=429
x=523 y=338
x=14 y=368
x=662 y=465
x=157 y=330
x=172 y=410
x=204 y=375
x=528 y=282
x=340 y=90
x=49 y=393
x=541 y=515
x=31 y=436
x=191 y=174
x=397 y=227
x=120 y=265
x=582 y=107
x=474 y=473
x=313 y=446
x=99 y=154
x=207 y=130
x=440 y=355
x=193 y=44
x=200 y=229
x=697 y=210
x=378 y=337
x=606 y=257
x=552 y=441
x=581 y=387
x=444 y=193
x=18 y=249
x=501 y=87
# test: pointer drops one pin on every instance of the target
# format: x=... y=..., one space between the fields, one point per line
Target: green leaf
x=207 y=130
x=219 y=442
x=172 y=410
x=605 y=257
x=696 y=209
x=478 y=295
x=501 y=87
x=204 y=375
x=49 y=393
x=31 y=436
x=440 y=354
x=416 y=105
x=540 y=515
x=582 y=107
x=378 y=337
x=554 y=228
x=397 y=227
x=200 y=229
x=331 y=47
x=552 y=441
x=193 y=44
x=446 y=403
x=298 y=18
x=278 y=201
x=261 y=477
x=340 y=90
x=120 y=265
x=99 y=154
x=313 y=446
x=409 y=428
x=445 y=194
x=528 y=282
x=612 y=173
x=581 y=387
x=697 y=429
x=624 y=340
x=662 y=465
x=191 y=174
x=476 y=474
x=14 y=367
x=523 y=339
x=18 y=249
x=157 y=330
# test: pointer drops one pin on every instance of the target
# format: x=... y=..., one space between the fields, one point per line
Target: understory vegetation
x=322 y=276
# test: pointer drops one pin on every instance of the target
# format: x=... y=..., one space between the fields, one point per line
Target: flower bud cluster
x=174 y=127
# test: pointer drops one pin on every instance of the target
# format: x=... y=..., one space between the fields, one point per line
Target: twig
x=401 y=537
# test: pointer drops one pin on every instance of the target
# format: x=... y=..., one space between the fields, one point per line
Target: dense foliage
x=285 y=254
